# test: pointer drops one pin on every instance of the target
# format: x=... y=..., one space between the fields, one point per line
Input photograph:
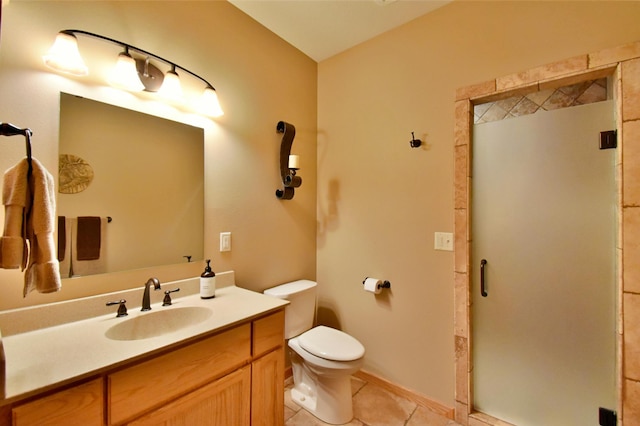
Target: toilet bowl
x=329 y=351
x=322 y=358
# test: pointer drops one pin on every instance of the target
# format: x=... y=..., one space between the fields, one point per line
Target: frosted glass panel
x=543 y=216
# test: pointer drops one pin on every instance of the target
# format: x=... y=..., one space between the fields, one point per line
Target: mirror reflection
x=131 y=189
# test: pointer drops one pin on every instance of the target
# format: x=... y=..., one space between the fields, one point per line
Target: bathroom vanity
x=225 y=367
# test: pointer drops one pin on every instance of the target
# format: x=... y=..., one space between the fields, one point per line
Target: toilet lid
x=331 y=344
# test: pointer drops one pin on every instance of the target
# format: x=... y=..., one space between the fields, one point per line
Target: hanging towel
x=15 y=190
x=88 y=238
x=37 y=201
x=62 y=237
x=13 y=247
x=64 y=245
x=98 y=263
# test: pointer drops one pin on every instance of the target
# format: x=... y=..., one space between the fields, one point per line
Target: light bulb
x=171 y=87
x=125 y=74
x=64 y=55
x=208 y=103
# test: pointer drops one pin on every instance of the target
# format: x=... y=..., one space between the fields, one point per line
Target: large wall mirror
x=141 y=175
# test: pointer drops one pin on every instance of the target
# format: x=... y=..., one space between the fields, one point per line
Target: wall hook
x=287 y=171
x=415 y=143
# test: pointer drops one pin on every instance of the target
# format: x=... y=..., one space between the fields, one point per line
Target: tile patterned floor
x=372 y=406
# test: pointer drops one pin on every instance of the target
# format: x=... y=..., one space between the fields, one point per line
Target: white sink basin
x=157 y=323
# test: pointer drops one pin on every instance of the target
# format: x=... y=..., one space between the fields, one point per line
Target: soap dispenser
x=208 y=283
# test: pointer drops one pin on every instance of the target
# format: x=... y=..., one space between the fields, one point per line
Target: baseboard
x=419 y=399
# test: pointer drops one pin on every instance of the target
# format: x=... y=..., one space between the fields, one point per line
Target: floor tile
x=372 y=406
x=288 y=413
x=356 y=385
x=424 y=417
x=378 y=407
x=304 y=418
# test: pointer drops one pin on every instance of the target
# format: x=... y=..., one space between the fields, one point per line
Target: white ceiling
x=323 y=28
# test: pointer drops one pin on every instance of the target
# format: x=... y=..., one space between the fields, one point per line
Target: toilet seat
x=331 y=344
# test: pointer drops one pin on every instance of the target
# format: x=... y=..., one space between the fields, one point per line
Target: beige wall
x=260 y=80
x=380 y=202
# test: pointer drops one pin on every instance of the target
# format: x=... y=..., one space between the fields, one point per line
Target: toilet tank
x=299 y=313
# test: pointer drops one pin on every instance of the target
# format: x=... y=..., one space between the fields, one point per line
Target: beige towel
x=42 y=272
x=38 y=203
x=15 y=190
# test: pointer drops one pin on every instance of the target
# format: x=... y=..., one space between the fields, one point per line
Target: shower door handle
x=483 y=292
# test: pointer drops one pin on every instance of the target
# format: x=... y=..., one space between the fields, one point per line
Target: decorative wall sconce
x=133 y=74
x=289 y=164
x=415 y=143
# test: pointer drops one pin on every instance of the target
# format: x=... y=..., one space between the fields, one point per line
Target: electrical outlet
x=443 y=241
x=225 y=241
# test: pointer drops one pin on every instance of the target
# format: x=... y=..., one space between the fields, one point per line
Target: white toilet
x=322 y=358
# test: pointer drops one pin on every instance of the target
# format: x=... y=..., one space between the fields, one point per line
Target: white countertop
x=47 y=357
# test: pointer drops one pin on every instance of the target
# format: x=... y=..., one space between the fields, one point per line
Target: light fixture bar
x=137 y=49
x=65 y=51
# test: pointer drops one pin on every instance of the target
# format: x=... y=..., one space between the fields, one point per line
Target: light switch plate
x=225 y=241
x=443 y=241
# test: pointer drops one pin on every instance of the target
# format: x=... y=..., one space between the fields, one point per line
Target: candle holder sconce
x=289 y=164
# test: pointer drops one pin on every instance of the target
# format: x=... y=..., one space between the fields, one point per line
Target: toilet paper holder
x=383 y=284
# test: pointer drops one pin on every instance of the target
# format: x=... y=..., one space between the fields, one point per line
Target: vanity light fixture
x=133 y=74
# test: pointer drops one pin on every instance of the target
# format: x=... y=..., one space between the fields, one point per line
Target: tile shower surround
x=623 y=65
x=582 y=93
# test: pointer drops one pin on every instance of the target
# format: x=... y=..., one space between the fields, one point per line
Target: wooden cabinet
x=267 y=393
x=226 y=401
x=137 y=389
x=80 y=405
x=267 y=371
x=235 y=377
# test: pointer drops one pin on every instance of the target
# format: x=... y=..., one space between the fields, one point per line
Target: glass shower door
x=544 y=221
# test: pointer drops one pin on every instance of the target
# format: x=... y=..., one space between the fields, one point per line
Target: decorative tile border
x=581 y=93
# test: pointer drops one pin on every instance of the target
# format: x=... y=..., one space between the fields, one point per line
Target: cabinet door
x=267 y=389
x=224 y=402
x=80 y=405
x=144 y=386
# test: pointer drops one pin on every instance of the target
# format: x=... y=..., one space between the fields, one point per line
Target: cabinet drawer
x=80 y=405
x=139 y=388
x=268 y=333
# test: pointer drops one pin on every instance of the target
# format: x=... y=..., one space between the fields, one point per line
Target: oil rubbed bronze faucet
x=122 y=308
x=146 y=303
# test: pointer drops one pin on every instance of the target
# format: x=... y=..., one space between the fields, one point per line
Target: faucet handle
x=122 y=309
x=167 y=297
